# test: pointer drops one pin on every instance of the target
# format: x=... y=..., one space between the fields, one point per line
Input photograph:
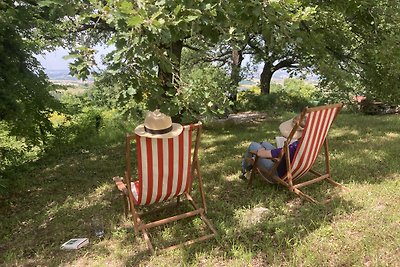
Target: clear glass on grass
x=98 y=226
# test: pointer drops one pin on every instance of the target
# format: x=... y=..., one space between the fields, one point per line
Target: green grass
x=55 y=198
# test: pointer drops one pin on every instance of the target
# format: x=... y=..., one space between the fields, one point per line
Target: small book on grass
x=75 y=243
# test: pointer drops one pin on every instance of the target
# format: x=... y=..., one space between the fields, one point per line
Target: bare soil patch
x=246 y=117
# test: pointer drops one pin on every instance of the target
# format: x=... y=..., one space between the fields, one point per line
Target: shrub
x=294 y=95
x=205 y=93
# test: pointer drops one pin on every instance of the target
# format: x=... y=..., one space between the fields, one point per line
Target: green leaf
x=134 y=21
x=131 y=91
x=191 y=18
x=155 y=15
x=177 y=9
x=71 y=56
x=48 y=3
x=126 y=7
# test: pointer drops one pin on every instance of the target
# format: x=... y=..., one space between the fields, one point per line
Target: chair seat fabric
x=315 y=132
x=313 y=139
x=135 y=189
x=164 y=167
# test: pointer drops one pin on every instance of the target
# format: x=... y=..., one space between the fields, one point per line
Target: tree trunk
x=237 y=58
x=266 y=77
x=169 y=79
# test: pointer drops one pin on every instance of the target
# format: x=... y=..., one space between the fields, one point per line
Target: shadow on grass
x=364 y=148
x=278 y=231
x=226 y=197
x=55 y=198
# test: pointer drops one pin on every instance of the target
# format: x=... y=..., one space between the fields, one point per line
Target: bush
x=14 y=151
x=91 y=128
x=205 y=93
x=293 y=96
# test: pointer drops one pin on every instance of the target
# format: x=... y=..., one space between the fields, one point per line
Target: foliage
x=147 y=37
x=298 y=87
x=278 y=37
x=273 y=102
x=361 y=39
x=13 y=153
x=204 y=92
x=294 y=95
x=109 y=95
x=25 y=102
x=78 y=125
x=82 y=123
x=341 y=42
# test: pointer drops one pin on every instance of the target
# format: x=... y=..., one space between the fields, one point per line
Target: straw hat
x=287 y=126
x=158 y=125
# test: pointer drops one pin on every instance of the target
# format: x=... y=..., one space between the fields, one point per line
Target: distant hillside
x=63 y=77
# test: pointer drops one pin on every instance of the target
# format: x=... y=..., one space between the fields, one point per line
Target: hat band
x=162 y=131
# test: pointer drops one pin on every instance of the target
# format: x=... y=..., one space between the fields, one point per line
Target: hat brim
x=176 y=130
x=286 y=127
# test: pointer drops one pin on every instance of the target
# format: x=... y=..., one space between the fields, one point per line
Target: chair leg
x=337 y=184
x=201 y=187
x=148 y=242
x=253 y=172
x=303 y=195
x=252 y=175
x=119 y=183
x=196 y=212
x=125 y=201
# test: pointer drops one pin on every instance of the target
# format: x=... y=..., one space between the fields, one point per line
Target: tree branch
x=287 y=63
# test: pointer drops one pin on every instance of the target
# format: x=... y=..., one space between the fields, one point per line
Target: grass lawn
x=55 y=198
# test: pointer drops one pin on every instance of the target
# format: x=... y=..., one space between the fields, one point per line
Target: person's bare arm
x=263 y=153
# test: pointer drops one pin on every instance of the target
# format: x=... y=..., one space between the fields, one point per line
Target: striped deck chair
x=318 y=122
x=166 y=168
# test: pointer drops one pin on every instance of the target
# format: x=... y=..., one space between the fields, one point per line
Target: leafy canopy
x=25 y=101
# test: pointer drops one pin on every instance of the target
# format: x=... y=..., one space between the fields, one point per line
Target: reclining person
x=266 y=151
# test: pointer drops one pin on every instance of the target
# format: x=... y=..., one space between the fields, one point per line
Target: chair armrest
x=119 y=182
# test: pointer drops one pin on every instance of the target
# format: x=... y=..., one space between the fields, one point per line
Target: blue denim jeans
x=266 y=163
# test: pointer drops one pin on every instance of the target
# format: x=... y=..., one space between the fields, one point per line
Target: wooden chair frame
x=289 y=181
x=124 y=185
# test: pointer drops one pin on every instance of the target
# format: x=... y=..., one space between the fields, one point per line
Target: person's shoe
x=243 y=176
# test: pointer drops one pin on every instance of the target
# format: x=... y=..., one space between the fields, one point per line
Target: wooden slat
x=315 y=180
x=139 y=225
x=170 y=219
x=319 y=122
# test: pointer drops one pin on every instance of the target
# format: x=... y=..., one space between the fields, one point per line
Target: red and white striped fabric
x=164 y=167
x=314 y=133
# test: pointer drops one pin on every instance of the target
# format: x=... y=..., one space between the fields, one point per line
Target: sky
x=55 y=61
